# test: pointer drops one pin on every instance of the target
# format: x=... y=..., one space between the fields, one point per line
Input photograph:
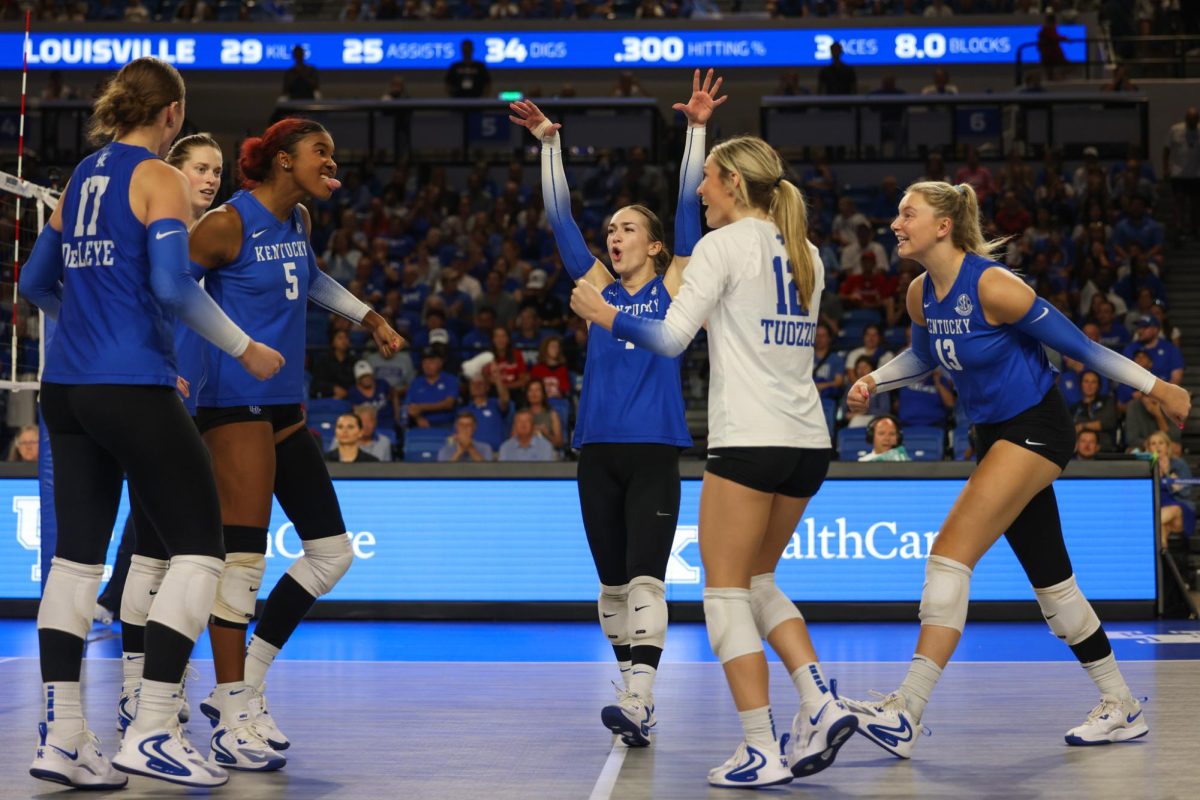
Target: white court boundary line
x=606 y=663
x=612 y=771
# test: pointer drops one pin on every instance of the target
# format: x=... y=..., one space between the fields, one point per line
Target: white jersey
x=760 y=338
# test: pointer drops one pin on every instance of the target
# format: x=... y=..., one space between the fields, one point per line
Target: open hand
x=703 y=101
x=529 y=116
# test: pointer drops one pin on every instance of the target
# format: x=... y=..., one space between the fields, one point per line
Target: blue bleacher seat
x=829 y=406
x=852 y=443
x=562 y=407
x=925 y=442
x=423 y=444
x=861 y=317
x=962 y=440
x=327 y=406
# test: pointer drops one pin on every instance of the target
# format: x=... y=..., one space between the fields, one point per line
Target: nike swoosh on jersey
x=257 y=234
x=165 y=234
x=1045 y=311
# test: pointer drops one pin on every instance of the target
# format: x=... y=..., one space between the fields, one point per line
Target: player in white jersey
x=753 y=281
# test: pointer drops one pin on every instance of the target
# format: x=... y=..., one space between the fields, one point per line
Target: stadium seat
x=852 y=443
x=423 y=444
x=861 y=317
x=925 y=442
x=829 y=406
x=327 y=406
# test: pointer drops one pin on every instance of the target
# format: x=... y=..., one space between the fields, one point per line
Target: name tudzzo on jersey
x=88 y=253
x=948 y=327
x=788 y=333
x=274 y=252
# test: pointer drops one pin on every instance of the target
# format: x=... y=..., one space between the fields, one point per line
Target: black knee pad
x=304 y=488
x=244 y=539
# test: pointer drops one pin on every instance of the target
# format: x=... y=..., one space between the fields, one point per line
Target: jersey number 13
x=944 y=350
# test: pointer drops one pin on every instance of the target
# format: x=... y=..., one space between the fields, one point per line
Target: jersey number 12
x=790 y=305
x=92 y=189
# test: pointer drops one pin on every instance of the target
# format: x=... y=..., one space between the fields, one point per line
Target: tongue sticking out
x=333 y=183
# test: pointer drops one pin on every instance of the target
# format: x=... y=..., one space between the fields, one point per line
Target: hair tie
x=961 y=189
x=778 y=181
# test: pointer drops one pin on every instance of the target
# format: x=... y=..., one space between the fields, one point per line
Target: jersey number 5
x=92 y=189
x=783 y=278
x=293 y=283
x=944 y=350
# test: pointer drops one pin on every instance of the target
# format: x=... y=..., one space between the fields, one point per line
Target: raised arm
x=698 y=109
x=556 y=195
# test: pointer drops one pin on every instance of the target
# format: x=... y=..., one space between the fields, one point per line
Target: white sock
x=810 y=683
x=923 y=675
x=131 y=671
x=626 y=668
x=1108 y=678
x=759 y=728
x=641 y=682
x=158 y=707
x=232 y=698
x=64 y=712
x=259 y=657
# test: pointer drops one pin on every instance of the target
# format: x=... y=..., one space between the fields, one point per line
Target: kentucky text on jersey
x=948 y=327
x=646 y=309
x=788 y=332
x=88 y=253
x=273 y=252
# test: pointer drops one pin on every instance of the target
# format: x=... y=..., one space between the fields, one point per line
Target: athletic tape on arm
x=556 y=196
x=172 y=283
x=41 y=276
x=687 y=210
x=1047 y=324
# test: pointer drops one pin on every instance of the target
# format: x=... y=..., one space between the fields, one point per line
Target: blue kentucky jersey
x=265 y=291
x=111 y=328
x=189 y=357
x=630 y=394
x=998 y=371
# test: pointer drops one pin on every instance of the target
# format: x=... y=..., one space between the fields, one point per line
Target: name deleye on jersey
x=88 y=253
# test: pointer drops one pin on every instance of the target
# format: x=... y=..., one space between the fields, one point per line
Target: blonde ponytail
x=791 y=217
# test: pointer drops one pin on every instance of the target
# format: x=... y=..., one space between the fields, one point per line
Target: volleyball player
x=111 y=266
x=258 y=264
x=629 y=441
x=754 y=282
x=199 y=158
x=985 y=328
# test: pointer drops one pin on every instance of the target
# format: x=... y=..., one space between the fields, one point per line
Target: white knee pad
x=771 y=607
x=141 y=586
x=647 y=612
x=323 y=564
x=730 y=622
x=613 y=608
x=239 y=586
x=1067 y=611
x=70 y=597
x=186 y=596
x=947 y=590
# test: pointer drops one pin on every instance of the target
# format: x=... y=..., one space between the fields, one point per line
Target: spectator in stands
x=368 y=390
x=1140 y=274
x=1016 y=176
x=503 y=9
x=1119 y=82
x=24 y=445
x=347 y=435
x=1143 y=414
x=885 y=203
x=837 y=77
x=1166 y=362
x=479 y=338
x=431 y=397
x=883 y=434
x=342 y=257
x=938 y=8
x=790 y=84
x=895 y=310
x=1177 y=507
x=1171 y=332
x=627 y=86
x=1049 y=47
x=935 y=168
x=828 y=367
x=527 y=336
x=1181 y=165
x=546 y=421
x=871 y=287
x=370 y=440
x=509 y=362
x=1112 y=333
x=301 y=81
x=873 y=349
x=1138 y=227
x=978 y=175
x=941 y=83
x=490 y=412
x=847 y=221
x=526 y=444
x=1095 y=411
x=56 y=89
x=396 y=370
x=1087 y=445
x=930 y=402
x=333 y=371
x=1101 y=283
x=467 y=77
x=1091 y=163
x=649 y=9
x=355 y=11
x=548 y=309
x=820 y=181
x=462 y=445
x=879 y=404
x=862 y=244
x=397 y=89
x=551 y=368
x=1012 y=218
x=458 y=305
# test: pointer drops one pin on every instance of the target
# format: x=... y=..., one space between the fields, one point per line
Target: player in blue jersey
x=631 y=425
x=985 y=328
x=754 y=283
x=258 y=264
x=199 y=158
x=112 y=267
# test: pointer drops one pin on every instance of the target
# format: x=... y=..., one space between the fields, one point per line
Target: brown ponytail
x=132 y=99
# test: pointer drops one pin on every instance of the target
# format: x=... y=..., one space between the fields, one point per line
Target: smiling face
x=716 y=193
x=917 y=227
x=629 y=244
x=203 y=169
x=312 y=165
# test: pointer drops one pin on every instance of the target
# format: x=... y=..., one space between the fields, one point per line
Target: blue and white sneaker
x=887 y=723
x=243 y=746
x=631 y=718
x=258 y=710
x=167 y=755
x=816 y=740
x=185 y=712
x=751 y=768
x=126 y=709
x=75 y=761
x=1113 y=720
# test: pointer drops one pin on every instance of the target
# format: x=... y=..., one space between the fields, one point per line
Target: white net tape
x=29 y=206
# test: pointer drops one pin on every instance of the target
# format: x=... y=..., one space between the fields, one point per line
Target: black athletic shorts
x=1046 y=429
x=790 y=471
x=280 y=416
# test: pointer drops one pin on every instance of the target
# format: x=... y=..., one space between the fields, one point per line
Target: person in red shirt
x=870 y=288
x=551 y=368
x=1012 y=219
x=513 y=372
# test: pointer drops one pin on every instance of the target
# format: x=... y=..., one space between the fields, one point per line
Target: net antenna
x=44 y=201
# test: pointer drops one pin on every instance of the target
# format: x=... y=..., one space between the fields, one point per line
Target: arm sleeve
x=687 y=211
x=172 y=283
x=41 y=277
x=1047 y=324
x=557 y=197
x=703 y=284
x=909 y=367
x=330 y=295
